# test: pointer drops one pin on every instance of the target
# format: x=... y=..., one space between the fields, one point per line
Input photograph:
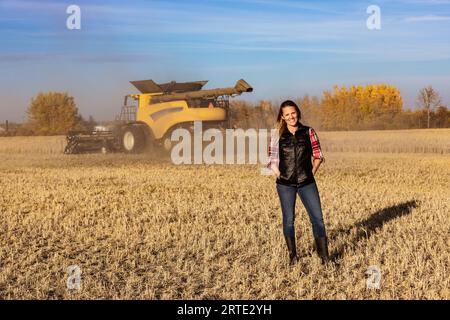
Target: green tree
x=52 y=113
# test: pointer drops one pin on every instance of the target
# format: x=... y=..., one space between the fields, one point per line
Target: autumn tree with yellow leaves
x=360 y=107
x=53 y=113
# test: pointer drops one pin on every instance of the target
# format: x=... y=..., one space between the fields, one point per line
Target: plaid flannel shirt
x=274 y=156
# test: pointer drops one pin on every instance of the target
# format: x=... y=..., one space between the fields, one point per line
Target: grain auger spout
x=240 y=87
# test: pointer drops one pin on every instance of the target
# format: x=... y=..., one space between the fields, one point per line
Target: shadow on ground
x=367 y=227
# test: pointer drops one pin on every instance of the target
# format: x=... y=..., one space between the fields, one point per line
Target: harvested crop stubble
x=142 y=228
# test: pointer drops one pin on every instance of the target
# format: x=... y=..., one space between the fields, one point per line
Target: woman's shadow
x=367 y=227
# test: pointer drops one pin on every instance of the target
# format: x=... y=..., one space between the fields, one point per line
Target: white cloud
x=427 y=18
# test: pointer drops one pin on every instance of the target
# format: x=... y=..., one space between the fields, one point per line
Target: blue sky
x=283 y=48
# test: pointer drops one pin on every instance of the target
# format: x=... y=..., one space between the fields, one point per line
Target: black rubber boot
x=290 y=241
x=322 y=249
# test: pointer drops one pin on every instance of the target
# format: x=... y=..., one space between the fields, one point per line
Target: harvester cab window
x=202 y=103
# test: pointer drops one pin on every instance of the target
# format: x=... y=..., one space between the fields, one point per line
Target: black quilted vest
x=295 y=158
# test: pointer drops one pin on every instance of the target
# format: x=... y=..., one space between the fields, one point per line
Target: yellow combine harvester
x=156 y=112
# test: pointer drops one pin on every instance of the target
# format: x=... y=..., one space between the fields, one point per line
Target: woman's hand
x=277 y=173
x=275 y=170
x=316 y=165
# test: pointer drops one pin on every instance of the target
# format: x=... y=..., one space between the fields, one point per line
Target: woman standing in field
x=294 y=157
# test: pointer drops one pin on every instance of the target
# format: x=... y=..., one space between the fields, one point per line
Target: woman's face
x=290 y=116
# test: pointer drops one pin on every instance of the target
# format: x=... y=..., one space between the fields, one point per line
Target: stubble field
x=139 y=227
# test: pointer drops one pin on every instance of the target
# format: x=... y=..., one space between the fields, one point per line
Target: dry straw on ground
x=142 y=228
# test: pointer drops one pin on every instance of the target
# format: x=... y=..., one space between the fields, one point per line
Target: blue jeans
x=311 y=200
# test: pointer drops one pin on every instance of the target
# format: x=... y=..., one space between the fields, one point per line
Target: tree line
x=371 y=107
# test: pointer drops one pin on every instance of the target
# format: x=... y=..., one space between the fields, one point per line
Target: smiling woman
x=295 y=157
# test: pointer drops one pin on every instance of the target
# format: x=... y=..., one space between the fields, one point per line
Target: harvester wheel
x=133 y=139
x=166 y=142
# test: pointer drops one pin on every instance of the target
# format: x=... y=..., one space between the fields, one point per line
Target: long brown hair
x=280 y=122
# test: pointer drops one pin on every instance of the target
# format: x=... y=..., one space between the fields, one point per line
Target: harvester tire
x=133 y=139
x=166 y=142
